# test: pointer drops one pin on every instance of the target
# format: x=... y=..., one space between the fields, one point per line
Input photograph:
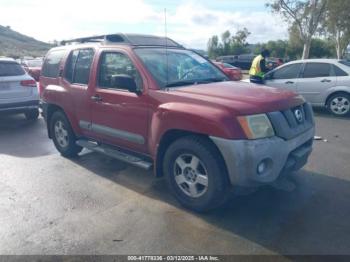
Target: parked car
x=232 y=72
x=241 y=61
x=322 y=82
x=150 y=102
x=33 y=67
x=18 y=90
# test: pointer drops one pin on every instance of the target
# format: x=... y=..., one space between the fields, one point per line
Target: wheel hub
x=190 y=174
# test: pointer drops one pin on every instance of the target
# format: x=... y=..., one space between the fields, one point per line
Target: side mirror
x=125 y=82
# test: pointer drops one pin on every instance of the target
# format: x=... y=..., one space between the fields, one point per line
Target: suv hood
x=244 y=98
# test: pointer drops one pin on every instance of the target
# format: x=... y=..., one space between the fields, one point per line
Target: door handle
x=289 y=82
x=96 y=98
x=326 y=81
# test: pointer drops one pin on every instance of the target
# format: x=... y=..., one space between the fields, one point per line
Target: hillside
x=14 y=44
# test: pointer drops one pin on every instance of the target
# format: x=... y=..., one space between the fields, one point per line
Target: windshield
x=11 y=69
x=178 y=67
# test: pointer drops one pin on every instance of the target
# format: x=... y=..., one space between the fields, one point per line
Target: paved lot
x=96 y=205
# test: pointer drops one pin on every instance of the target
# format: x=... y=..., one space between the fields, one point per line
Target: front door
x=119 y=117
x=285 y=77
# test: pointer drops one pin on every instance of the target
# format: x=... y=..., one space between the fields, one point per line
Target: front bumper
x=19 y=107
x=280 y=156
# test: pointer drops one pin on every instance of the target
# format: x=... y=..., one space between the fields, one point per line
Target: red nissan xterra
x=150 y=102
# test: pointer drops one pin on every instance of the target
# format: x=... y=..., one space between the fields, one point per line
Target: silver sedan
x=322 y=82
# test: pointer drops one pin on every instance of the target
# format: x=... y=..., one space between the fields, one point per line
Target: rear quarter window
x=11 y=69
x=52 y=62
x=339 y=72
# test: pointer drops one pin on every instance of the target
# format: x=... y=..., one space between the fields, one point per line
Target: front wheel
x=339 y=104
x=196 y=173
x=63 y=135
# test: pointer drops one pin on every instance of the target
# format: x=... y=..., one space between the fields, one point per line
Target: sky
x=190 y=22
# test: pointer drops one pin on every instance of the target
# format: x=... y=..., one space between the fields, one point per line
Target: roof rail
x=95 y=39
x=128 y=39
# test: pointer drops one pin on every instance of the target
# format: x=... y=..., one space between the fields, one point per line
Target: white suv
x=18 y=90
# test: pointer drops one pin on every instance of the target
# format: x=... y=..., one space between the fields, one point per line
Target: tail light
x=29 y=83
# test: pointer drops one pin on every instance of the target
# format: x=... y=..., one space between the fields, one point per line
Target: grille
x=292 y=122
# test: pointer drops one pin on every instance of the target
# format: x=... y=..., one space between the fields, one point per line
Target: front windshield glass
x=175 y=67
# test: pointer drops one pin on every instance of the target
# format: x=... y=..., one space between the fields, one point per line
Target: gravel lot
x=97 y=205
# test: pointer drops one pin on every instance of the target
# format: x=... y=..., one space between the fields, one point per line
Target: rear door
x=76 y=78
x=11 y=89
x=285 y=77
x=316 y=79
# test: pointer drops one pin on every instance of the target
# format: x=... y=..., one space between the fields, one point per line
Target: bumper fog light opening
x=261 y=167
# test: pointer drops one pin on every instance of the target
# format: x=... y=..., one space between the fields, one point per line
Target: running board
x=115 y=153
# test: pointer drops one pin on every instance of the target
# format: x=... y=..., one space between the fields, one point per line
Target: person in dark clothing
x=258 y=68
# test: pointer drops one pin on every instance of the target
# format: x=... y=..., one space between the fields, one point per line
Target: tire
x=339 y=104
x=196 y=173
x=63 y=135
x=32 y=114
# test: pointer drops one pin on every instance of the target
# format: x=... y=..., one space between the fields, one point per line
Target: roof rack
x=127 y=39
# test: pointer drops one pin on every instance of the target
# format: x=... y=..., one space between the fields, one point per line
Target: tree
x=225 y=38
x=241 y=37
x=213 y=47
x=230 y=44
x=337 y=24
x=305 y=15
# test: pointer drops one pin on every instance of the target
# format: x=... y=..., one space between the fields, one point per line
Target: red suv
x=150 y=102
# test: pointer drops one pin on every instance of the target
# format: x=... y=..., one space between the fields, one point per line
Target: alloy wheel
x=61 y=134
x=191 y=176
x=340 y=105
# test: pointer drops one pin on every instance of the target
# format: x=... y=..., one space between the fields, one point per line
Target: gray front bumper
x=242 y=157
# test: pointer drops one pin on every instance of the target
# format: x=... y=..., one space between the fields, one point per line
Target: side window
x=82 y=66
x=52 y=63
x=70 y=65
x=78 y=66
x=112 y=64
x=287 y=72
x=338 y=71
x=317 y=70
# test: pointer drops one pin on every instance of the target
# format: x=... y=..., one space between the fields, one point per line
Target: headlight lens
x=256 y=126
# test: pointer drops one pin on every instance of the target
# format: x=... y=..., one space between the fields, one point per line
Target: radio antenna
x=166 y=48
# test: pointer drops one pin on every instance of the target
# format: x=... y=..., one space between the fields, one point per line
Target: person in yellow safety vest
x=258 y=68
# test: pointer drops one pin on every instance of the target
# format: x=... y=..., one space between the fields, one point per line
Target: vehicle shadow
x=23 y=138
x=323 y=112
x=313 y=219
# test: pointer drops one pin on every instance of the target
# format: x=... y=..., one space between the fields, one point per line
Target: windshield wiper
x=181 y=83
x=210 y=80
x=194 y=82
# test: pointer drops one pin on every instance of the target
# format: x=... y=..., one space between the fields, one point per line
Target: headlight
x=256 y=126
